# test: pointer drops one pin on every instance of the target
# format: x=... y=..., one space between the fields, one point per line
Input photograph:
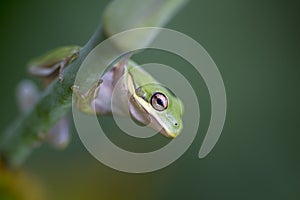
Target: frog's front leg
x=98 y=99
x=85 y=101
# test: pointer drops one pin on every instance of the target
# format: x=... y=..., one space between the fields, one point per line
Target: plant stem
x=19 y=139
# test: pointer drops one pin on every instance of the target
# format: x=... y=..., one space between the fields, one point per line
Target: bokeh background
x=256 y=47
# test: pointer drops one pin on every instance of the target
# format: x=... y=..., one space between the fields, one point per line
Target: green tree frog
x=147 y=101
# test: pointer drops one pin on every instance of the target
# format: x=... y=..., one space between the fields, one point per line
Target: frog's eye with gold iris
x=159 y=101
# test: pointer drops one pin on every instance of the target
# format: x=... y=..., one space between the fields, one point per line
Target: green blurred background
x=256 y=47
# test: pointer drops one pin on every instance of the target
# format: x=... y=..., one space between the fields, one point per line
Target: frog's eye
x=159 y=101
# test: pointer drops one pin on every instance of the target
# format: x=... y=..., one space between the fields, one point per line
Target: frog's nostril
x=175 y=124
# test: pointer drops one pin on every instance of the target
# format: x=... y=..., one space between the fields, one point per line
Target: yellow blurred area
x=19 y=185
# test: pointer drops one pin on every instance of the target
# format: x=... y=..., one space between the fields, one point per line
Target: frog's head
x=156 y=105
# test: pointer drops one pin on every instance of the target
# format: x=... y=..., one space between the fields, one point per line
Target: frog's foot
x=85 y=101
x=62 y=66
x=60 y=77
x=65 y=63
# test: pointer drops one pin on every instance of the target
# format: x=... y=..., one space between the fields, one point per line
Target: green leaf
x=122 y=15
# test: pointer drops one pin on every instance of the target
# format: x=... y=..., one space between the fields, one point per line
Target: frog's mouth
x=167 y=133
x=162 y=129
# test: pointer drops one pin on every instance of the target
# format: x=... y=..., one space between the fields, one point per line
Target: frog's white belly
x=113 y=96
